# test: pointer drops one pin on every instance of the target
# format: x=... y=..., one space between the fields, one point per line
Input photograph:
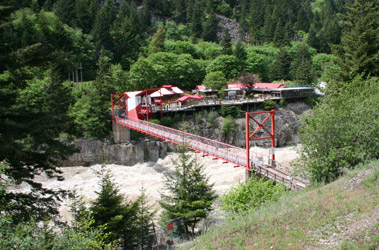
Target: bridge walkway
x=259 y=163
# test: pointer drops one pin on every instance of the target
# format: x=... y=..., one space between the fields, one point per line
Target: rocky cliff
x=128 y=154
x=287 y=123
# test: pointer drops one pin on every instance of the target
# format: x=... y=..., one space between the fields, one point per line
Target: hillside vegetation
x=340 y=215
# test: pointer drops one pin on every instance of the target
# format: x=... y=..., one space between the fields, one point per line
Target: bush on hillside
x=231 y=110
x=268 y=105
x=341 y=132
x=251 y=195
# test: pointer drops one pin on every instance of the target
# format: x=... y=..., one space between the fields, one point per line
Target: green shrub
x=212 y=116
x=268 y=105
x=341 y=132
x=231 y=110
x=228 y=125
x=283 y=102
x=251 y=195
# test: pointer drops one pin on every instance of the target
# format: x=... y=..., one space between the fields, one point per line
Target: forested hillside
x=61 y=60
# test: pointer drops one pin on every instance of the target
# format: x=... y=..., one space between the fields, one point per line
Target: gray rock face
x=287 y=123
x=128 y=154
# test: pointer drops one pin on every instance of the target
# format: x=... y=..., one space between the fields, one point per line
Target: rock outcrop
x=287 y=123
x=128 y=154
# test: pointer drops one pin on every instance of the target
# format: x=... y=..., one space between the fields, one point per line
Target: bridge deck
x=229 y=153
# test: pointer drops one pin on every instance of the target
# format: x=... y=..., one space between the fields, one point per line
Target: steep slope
x=340 y=215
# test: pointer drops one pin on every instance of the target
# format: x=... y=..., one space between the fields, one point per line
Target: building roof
x=236 y=86
x=262 y=85
x=183 y=98
x=164 y=91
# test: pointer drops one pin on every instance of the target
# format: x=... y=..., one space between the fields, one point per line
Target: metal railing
x=260 y=163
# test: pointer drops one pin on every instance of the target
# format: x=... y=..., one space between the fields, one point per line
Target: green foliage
x=228 y=125
x=358 y=53
x=281 y=66
x=165 y=68
x=341 y=132
x=211 y=50
x=283 y=103
x=145 y=224
x=111 y=212
x=301 y=68
x=190 y=194
x=231 y=110
x=268 y=105
x=322 y=61
x=227 y=64
x=182 y=47
x=211 y=118
x=251 y=195
x=158 y=41
x=215 y=80
x=226 y=43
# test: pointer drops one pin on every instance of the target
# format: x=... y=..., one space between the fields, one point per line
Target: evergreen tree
x=313 y=40
x=304 y=16
x=301 y=68
x=196 y=28
x=180 y=13
x=210 y=24
x=145 y=15
x=145 y=224
x=85 y=14
x=126 y=37
x=269 y=25
x=34 y=105
x=190 y=195
x=240 y=51
x=281 y=67
x=101 y=28
x=358 y=53
x=226 y=43
x=112 y=211
x=64 y=10
x=157 y=42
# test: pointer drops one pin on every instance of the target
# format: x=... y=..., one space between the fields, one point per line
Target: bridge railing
x=198 y=143
x=259 y=162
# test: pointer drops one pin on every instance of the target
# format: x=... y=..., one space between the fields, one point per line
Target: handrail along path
x=229 y=153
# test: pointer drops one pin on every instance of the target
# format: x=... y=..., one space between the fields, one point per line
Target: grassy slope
x=340 y=215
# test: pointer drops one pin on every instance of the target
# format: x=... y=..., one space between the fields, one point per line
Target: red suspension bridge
x=261 y=164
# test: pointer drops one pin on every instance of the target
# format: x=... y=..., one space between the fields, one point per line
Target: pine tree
x=226 y=43
x=85 y=14
x=196 y=28
x=301 y=68
x=313 y=40
x=126 y=37
x=281 y=67
x=240 y=51
x=190 y=195
x=112 y=211
x=358 y=53
x=34 y=105
x=210 y=24
x=64 y=10
x=101 y=28
x=145 y=224
x=180 y=13
x=157 y=42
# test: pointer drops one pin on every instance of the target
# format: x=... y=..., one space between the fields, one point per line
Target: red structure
x=262 y=164
x=271 y=135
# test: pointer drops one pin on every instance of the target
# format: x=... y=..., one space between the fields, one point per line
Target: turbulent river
x=150 y=175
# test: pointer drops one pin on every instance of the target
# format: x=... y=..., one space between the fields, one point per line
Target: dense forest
x=61 y=60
